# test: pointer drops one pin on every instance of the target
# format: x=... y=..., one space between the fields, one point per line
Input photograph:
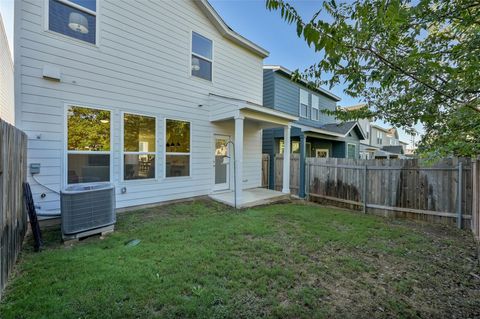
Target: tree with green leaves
x=410 y=61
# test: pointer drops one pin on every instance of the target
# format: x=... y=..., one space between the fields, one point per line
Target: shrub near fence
x=13 y=216
x=407 y=188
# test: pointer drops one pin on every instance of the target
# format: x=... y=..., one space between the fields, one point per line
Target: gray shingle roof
x=396 y=149
x=340 y=128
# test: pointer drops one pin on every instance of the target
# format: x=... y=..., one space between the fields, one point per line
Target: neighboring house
x=315 y=134
x=146 y=95
x=6 y=79
x=380 y=143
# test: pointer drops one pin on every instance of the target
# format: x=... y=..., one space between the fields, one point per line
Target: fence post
x=459 y=195
x=365 y=193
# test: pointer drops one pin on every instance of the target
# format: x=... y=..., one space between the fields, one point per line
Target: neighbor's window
x=303 y=103
x=379 y=137
x=351 y=151
x=73 y=18
x=88 y=146
x=138 y=146
x=202 y=55
x=294 y=147
x=315 y=106
x=177 y=146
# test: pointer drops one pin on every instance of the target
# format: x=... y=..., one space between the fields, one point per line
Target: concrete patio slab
x=251 y=197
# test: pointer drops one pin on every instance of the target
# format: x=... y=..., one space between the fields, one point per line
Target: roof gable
x=228 y=32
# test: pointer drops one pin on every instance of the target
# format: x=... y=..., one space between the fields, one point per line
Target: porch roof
x=223 y=108
x=334 y=129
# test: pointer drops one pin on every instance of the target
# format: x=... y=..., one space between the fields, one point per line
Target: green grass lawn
x=203 y=260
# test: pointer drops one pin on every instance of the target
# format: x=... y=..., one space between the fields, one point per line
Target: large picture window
x=74 y=18
x=139 y=146
x=177 y=146
x=88 y=145
x=303 y=103
x=202 y=57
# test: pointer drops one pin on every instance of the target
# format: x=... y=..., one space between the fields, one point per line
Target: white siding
x=141 y=65
x=6 y=78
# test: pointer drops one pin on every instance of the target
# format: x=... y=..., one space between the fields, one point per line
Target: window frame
x=122 y=149
x=66 y=152
x=326 y=150
x=78 y=7
x=165 y=153
x=379 y=137
x=315 y=107
x=355 y=152
x=200 y=56
x=300 y=103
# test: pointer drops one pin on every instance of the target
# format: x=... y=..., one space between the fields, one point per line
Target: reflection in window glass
x=139 y=166
x=73 y=22
x=88 y=145
x=201 y=57
x=88 y=168
x=201 y=68
x=177 y=146
x=139 y=139
x=178 y=137
x=139 y=133
x=88 y=129
x=177 y=165
x=201 y=46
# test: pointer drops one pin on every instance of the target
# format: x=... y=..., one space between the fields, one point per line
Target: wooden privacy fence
x=13 y=216
x=294 y=173
x=265 y=170
x=409 y=188
x=476 y=198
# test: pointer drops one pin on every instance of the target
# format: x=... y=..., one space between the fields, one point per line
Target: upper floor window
x=74 y=18
x=202 y=56
x=379 y=137
x=315 y=108
x=303 y=103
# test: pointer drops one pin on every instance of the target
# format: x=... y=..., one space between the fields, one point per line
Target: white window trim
x=323 y=150
x=355 y=146
x=65 y=146
x=122 y=150
x=78 y=7
x=315 y=106
x=300 y=103
x=200 y=56
x=165 y=153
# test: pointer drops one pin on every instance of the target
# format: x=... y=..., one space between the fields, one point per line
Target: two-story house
x=6 y=78
x=160 y=98
x=380 y=142
x=315 y=134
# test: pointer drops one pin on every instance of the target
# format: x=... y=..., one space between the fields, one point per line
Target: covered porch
x=241 y=123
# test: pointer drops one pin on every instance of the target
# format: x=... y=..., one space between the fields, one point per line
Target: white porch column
x=238 y=159
x=286 y=160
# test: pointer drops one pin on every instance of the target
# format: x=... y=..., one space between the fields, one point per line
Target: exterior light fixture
x=195 y=64
x=78 y=23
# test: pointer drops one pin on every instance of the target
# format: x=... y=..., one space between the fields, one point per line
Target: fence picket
x=13 y=217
